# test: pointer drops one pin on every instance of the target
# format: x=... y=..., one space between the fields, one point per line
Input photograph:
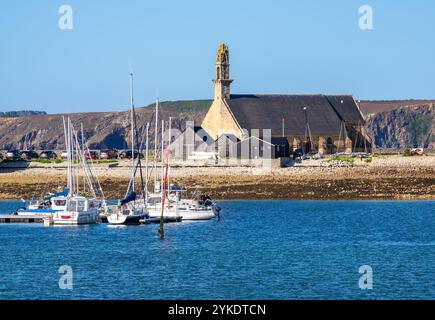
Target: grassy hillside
x=184 y=105
x=22 y=113
x=370 y=107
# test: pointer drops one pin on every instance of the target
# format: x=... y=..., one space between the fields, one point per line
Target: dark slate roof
x=279 y=141
x=325 y=113
x=228 y=136
x=197 y=128
x=346 y=107
x=275 y=141
x=257 y=138
x=200 y=134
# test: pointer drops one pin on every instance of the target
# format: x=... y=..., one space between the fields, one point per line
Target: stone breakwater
x=387 y=177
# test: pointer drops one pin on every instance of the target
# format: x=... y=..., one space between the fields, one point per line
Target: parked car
x=48 y=155
x=127 y=154
x=64 y=155
x=109 y=154
x=28 y=155
x=13 y=155
x=91 y=155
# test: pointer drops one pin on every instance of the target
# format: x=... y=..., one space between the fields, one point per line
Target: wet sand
x=392 y=177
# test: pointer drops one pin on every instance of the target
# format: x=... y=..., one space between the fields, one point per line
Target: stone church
x=312 y=122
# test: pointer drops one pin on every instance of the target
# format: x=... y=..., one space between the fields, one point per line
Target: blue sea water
x=258 y=250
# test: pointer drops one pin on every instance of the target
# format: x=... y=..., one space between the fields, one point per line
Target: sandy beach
x=386 y=177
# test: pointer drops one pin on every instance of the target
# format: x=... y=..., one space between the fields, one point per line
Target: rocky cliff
x=103 y=130
x=396 y=124
x=404 y=127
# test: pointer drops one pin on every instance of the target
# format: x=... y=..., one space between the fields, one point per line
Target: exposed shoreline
x=385 y=178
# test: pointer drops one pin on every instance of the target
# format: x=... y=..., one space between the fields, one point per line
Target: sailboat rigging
x=128 y=210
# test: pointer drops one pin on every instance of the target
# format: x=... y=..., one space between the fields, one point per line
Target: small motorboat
x=47 y=206
x=78 y=210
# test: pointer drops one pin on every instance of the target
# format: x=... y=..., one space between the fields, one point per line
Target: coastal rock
x=394 y=129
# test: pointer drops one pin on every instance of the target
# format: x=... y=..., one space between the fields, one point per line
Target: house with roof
x=311 y=122
x=192 y=139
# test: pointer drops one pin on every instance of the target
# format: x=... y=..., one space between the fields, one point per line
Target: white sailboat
x=129 y=211
x=75 y=209
x=128 y=214
x=51 y=204
x=167 y=202
x=177 y=207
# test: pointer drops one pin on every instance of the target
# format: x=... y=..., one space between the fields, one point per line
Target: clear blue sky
x=275 y=47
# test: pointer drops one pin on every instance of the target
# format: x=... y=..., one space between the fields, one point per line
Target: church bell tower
x=222 y=82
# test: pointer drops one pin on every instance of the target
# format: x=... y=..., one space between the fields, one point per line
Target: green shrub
x=46 y=161
x=419 y=128
x=407 y=153
x=39 y=160
x=342 y=158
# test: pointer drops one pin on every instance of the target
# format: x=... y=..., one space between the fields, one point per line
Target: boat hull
x=199 y=215
x=36 y=212
x=74 y=218
x=184 y=214
x=119 y=219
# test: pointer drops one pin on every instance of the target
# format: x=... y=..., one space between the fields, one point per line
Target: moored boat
x=130 y=211
x=188 y=209
x=78 y=210
x=47 y=206
x=130 y=216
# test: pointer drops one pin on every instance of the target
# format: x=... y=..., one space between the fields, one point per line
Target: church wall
x=219 y=120
x=324 y=144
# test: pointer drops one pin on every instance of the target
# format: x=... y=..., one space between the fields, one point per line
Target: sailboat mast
x=73 y=164
x=66 y=147
x=70 y=180
x=169 y=145
x=132 y=129
x=156 y=130
x=163 y=151
x=84 y=157
x=146 y=162
x=77 y=151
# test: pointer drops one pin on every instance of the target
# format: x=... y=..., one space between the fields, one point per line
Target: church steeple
x=222 y=82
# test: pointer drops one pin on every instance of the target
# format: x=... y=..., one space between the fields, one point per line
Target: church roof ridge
x=292 y=94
